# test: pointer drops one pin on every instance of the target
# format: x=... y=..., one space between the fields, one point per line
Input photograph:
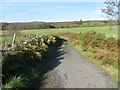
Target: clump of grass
x=15 y=82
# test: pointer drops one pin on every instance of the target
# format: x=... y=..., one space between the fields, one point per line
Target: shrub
x=24 y=63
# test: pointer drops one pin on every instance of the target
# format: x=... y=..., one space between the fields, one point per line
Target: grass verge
x=111 y=70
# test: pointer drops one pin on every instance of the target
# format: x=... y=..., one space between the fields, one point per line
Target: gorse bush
x=25 y=62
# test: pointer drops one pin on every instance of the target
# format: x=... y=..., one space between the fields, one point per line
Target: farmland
x=102 y=30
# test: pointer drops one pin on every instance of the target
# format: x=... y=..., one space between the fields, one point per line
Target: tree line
x=24 y=26
x=45 y=25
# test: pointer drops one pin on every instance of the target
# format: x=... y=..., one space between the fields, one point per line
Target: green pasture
x=19 y=38
x=102 y=30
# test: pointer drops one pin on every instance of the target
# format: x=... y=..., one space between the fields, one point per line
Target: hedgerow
x=26 y=62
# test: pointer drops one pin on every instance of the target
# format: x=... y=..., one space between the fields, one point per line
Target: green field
x=25 y=33
x=102 y=29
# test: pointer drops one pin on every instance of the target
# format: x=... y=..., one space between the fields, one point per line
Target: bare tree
x=112 y=9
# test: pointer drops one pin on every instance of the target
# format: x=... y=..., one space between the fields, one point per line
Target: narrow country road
x=69 y=69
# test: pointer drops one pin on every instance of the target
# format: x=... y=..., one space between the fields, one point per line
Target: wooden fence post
x=29 y=35
x=13 y=41
x=36 y=36
x=6 y=44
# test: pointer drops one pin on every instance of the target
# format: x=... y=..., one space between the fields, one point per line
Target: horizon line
x=52 y=21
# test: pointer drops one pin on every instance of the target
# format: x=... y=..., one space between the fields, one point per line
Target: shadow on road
x=55 y=62
x=58 y=56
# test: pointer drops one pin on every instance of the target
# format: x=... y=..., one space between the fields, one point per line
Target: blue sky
x=51 y=11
